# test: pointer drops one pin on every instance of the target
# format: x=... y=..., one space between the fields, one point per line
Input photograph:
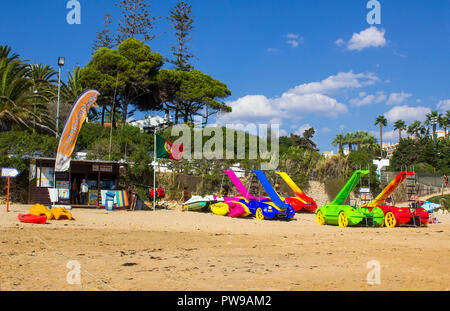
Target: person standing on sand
x=84 y=192
x=445 y=180
x=186 y=196
x=133 y=196
x=74 y=192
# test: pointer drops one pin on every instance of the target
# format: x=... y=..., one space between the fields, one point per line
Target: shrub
x=333 y=186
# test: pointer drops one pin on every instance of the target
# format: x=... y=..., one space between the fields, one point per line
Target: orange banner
x=73 y=125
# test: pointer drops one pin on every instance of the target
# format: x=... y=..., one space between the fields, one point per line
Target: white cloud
x=310 y=103
x=334 y=83
x=339 y=42
x=444 y=105
x=296 y=103
x=398 y=98
x=370 y=37
x=400 y=54
x=251 y=108
x=368 y=99
x=388 y=136
x=302 y=129
x=294 y=40
x=326 y=130
x=406 y=113
x=272 y=50
x=292 y=36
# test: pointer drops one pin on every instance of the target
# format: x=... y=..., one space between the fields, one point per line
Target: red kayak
x=32 y=219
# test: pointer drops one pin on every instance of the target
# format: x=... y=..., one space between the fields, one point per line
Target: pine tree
x=182 y=20
x=104 y=38
x=136 y=21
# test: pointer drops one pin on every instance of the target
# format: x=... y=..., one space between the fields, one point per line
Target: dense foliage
x=423 y=153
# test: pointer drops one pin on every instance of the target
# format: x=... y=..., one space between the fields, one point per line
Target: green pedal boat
x=199 y=204
x=335 y=213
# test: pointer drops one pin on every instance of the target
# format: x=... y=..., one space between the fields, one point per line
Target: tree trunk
x=186 y=115
x=125 y=112
x=399 y=135
x=381 y=139
x=177 y=109
x=206 y=116
x=113 y=116
x=103 y=115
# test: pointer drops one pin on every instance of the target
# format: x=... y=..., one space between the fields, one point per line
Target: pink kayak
x=237 y=209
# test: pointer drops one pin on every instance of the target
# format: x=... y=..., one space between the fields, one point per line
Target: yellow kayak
x=220 y=209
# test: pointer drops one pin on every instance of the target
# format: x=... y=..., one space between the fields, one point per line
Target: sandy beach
x=172 y=250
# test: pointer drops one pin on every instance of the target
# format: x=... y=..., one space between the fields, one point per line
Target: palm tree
x=413 y=129
x=360 y=138
x=73 y=89
x=16 y=98
x=339 y=141
x=433 y=118
x=5 y=52
x=381 y=121
x=349 y=139
x=444 y=120
x=370 y=141
x=424 y=131
x=43 y=78
x=400 y=125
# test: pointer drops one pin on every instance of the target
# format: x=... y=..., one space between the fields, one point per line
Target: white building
x=149 y=123
x=440 y=134
x=389 y=149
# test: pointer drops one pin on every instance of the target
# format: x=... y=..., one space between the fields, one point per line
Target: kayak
x=41 y=210
x=196 y=206
x=236 y=209
x=430 y=207
x=220 y=209
x=198 y=203
x=60 y=212
x=32 y=219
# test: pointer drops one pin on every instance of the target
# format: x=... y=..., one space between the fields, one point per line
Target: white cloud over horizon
x=444 y=105
x=407 y=113
x=334 y=83
x=304 y=99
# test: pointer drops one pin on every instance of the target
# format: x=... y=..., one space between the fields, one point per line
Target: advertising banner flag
x=69 y=136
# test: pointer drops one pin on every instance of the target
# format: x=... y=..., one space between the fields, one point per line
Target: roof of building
x=83 y=161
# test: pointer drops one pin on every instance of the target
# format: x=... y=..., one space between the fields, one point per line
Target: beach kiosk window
x=99 y=175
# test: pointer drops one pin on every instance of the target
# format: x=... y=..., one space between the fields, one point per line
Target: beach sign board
x=9 y=172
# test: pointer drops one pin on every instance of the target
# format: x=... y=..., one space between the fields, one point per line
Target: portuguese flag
x=167 y=150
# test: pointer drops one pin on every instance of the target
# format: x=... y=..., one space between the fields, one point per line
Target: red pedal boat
x=32 y=219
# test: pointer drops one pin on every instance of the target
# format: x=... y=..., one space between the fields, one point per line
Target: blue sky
x=296 y=63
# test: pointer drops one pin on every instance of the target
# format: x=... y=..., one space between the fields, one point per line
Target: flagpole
x=154 y=174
